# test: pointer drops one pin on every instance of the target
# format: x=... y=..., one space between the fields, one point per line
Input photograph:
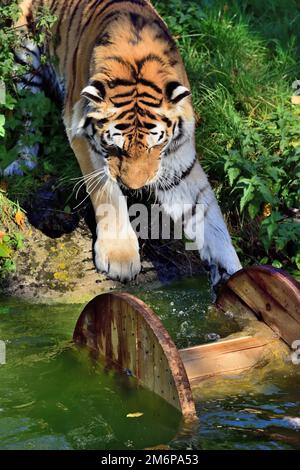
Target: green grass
x=242 y=58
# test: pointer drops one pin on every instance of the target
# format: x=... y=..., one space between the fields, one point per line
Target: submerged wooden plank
x=227 y=357
x=272 y=294
x=129 y=336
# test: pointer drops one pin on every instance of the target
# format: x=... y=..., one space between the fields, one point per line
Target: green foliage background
x=242 y=57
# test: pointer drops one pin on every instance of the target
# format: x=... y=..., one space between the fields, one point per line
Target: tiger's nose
x=135 y=151
x=136 y=172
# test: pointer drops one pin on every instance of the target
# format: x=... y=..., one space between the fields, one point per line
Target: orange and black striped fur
x=129 y=118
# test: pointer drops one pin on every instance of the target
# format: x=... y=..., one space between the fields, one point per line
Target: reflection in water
x=53 y=396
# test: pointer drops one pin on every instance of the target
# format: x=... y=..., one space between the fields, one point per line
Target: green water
x=185 y=310
x=53 y=396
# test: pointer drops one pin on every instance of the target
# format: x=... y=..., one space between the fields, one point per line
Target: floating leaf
x=134 y=415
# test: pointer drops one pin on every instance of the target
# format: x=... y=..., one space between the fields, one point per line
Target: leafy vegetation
x=57 y=159
x=241 y=58
x=11 y=233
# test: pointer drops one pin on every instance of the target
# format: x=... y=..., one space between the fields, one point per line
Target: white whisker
x=89 y=191
x=86 y=179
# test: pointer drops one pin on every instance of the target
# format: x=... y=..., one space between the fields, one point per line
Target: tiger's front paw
x=119 y=259
x=218 y=275
x=221 y=264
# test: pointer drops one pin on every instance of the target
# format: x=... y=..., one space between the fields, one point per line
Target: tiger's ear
x=95 y=91
x=176 y=92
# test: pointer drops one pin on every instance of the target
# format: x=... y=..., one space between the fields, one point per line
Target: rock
x=60 y=269
x=56 y=263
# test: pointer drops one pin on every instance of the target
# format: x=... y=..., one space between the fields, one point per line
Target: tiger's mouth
x=135 y=172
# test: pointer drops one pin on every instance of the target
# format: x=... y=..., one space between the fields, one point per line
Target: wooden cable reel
x=130 y=337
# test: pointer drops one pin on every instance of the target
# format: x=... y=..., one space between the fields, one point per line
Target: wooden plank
x=127 y=334
x=272 y=294
x=131 y=328
x=227 y=357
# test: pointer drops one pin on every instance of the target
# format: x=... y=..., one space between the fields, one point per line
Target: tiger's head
x=135 y=124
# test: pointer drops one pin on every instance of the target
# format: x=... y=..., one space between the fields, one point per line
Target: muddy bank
x=56 y=262
x=61 y=269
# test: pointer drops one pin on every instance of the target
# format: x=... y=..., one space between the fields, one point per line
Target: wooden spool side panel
x=271 y=294
x=268 y=309
x=128 y=335
x=285 y=290
x=153 y=367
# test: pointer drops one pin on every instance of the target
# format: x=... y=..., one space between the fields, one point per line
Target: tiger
x=129 y=118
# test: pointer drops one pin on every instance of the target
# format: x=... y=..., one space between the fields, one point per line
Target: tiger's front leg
x=116 y=247
x=192 y=199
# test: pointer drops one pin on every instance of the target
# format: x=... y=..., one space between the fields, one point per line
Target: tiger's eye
x=100 y=122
